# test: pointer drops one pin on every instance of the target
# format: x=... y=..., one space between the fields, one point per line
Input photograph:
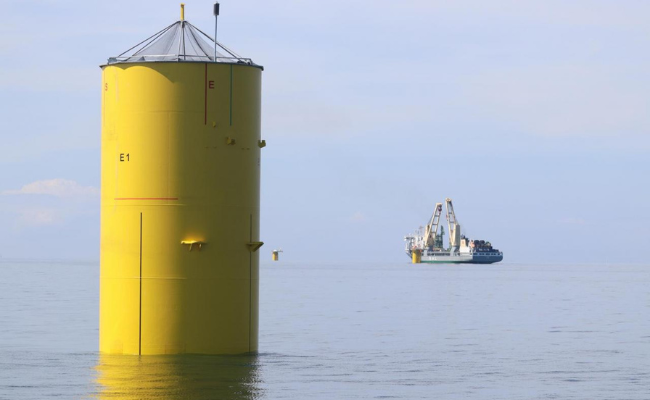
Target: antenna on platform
x=216 y=17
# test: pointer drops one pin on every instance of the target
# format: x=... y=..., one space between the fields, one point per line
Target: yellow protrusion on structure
x=193 y=243
x=254 y=246
x=182 y=12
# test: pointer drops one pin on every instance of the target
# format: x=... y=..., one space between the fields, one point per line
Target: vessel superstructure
x=426 y=244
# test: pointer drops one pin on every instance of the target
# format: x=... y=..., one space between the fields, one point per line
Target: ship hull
x=462 y=259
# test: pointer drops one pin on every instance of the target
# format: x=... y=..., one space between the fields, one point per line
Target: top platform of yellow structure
x=180 y=42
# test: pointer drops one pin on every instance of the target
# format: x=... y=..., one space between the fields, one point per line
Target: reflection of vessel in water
x=427 y=247
x=176 y=377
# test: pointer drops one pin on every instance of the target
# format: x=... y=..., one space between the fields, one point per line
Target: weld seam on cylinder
x=231 y=94
x=140 y=312
x=250 y=286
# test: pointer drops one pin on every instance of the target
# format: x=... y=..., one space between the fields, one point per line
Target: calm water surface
x=346 y=331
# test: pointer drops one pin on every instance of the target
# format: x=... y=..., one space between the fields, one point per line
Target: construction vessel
x=180 y=197
x=426 y=244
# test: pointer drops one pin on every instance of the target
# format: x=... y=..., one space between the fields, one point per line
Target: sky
x=533 y=116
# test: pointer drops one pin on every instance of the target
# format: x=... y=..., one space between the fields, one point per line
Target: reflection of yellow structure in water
x=175 y=377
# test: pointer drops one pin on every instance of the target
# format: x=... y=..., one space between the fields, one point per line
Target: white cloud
x=358 y=217
x=38 y=216
x=55 y=187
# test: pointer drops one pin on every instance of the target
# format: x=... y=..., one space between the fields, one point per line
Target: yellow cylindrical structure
x=180 y=208
x=275 y=256
x=416 y=256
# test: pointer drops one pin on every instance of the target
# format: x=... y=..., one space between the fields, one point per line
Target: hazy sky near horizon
x=534 y=116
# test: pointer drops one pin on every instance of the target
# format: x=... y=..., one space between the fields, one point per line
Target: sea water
x=353 y=331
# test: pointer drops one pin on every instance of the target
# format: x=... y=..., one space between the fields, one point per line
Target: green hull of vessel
x=473 y=258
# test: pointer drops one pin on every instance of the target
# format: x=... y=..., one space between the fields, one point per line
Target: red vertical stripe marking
x=205 y=100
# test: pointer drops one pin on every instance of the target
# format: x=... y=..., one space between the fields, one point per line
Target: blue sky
x=533 y=116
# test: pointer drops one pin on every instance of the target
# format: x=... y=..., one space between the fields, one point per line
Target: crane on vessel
x=454 y=227
x=432 y=227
